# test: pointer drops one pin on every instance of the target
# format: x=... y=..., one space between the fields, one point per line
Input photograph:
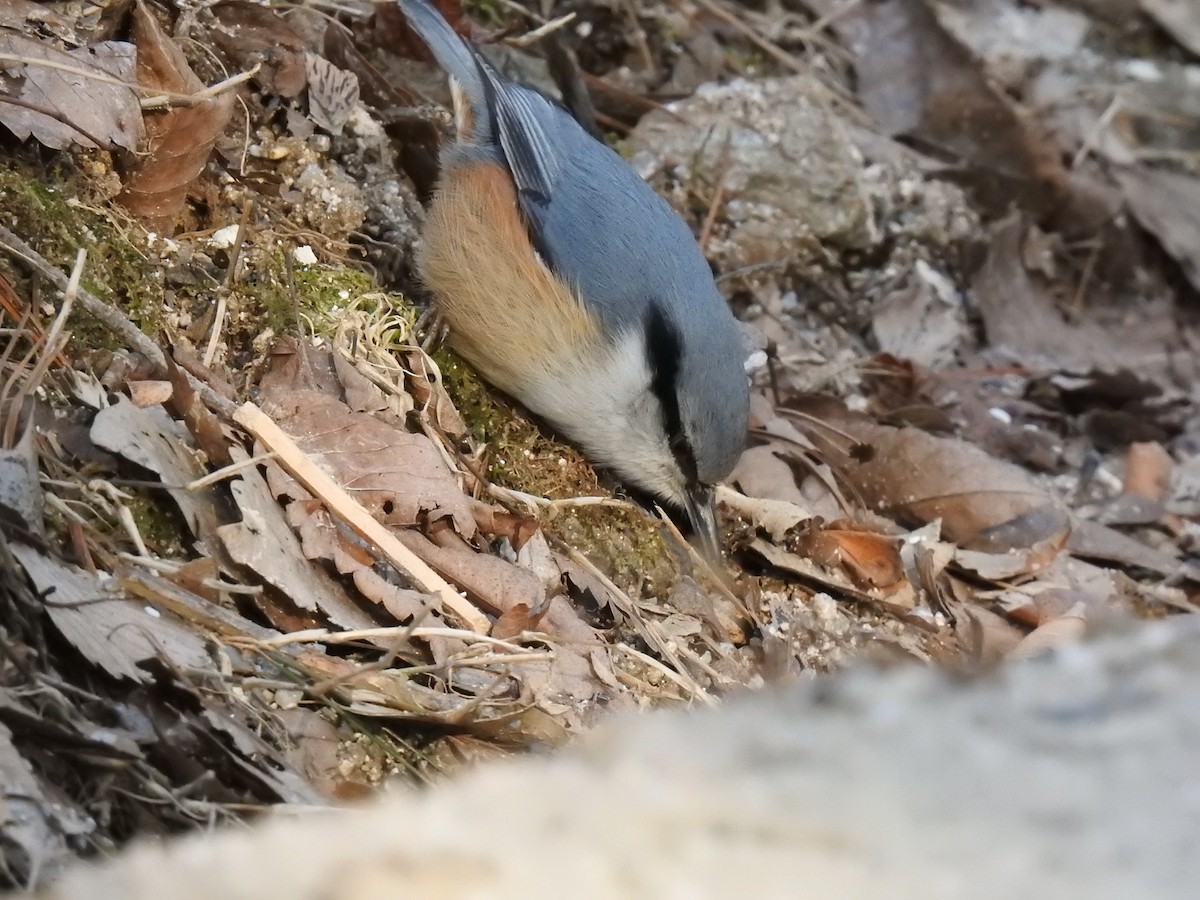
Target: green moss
x=54 y=209
x=159 y=523
x=488 y=12
x=626 y=544
x=320 y=290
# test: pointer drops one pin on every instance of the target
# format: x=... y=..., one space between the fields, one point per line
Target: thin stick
x=714 y=206
x=326 y=636
x=155 y=93
x=49 y=350
x=705 y=566
x=214 y=336
x=694 y=688
x=352 y=513
x=111 y=318
x=532 y=37
x=227 y=472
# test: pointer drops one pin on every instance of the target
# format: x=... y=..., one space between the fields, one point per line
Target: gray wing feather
x=521 y=119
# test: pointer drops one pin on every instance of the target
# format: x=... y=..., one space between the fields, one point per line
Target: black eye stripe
x=664 y=353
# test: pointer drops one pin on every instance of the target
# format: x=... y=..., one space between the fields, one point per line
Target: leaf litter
x=296 y=554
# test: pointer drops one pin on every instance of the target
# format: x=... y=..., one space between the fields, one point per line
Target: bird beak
x=698 y=503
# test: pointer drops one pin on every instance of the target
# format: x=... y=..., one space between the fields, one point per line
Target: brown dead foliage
x=281 y=570
x=179 y=138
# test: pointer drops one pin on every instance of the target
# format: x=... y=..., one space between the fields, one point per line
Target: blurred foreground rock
x=1071 y=776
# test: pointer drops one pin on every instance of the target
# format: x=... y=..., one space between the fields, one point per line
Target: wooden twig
x=112 y=318
x=350 y=511
x=157 y=94
x=532 y=37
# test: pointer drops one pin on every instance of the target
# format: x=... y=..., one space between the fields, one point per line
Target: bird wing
x=521 y=123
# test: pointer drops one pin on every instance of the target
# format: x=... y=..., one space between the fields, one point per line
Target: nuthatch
x=569 y=284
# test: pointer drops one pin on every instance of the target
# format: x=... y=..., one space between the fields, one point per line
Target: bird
x=569 y=284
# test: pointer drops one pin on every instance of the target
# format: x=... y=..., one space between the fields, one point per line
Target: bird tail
x=451 y=52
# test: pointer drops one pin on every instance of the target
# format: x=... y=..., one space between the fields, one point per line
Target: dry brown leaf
x=398 y=477
x=427 y=389
x=332 y=93
x=264 y=543
x=1068 y=628
x=252 y=35
x=1167 y=204
x=1020 y=315
x=155 y=441
x=179 y=139
x=149 y=393
x=109 y=629
x=985 y=637
x=201 y=422
x=984 y=503
x=21 y=498
x=923 y=320
x=762 y=473
x=314 y=749
x=30 y=827
x=82 y=110
x=1148 y=471
x=915 y=79
x=1091 y=540
x=518 y=618
x=776 y=517
x=19 y=15
x=872 y=560
x=1179 y=18
x=489 y=581
x=833 y=581
x=321 y=539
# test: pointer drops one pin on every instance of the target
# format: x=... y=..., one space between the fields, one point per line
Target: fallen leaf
x=984 y=636
x=180 y=138
x=323 y=540
x=492 y=582
x=924 y=320
x=397 y=476
x=425 y=383
x=109 y=629
x=871 y=560
x=833 y=581
x=1179 y=18
x=203 y=425
x=149 y=393
x=1068 y=628
x=915 y=79
x=252 y=35
x=332 y=93
x=83 y=110
x=19 y=15
x=264 y=543
x=314 y=749
x=518 y=618
x=984 y=503
x=155 y=441
x=762 y=473
x=21 y=500
x=1167 y=204
x=1148 y=471
x=1020 y=315
x=28 y=831
x=1091 y=540
x=776 y=517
